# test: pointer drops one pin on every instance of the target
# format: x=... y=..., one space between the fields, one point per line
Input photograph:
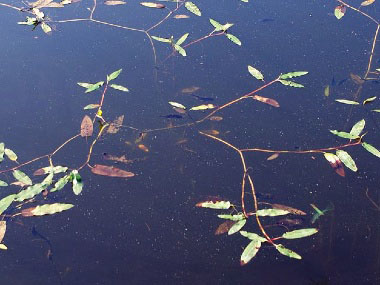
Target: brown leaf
x=28 y=212
x=111 y=171
x=216 y=118
x=181 y=16
x=224 y=227
x=122 y=159
x=190 y=90
x=143 y=147
x=113 y=3
x=273 y=156
x=86 y=127
x=3 y=228
x=357 y=79
x=115 y=125
x=152 y=5
x=265 y=100
x=19 y=183
x=291 y=210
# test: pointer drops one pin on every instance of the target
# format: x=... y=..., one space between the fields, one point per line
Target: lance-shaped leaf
x=61 y=183
x=291 y=83
x=10 y=154
x=114 y=2
x=367 y=2
x=48 y=179
x=182 y=39
x=255 y=73
x=152 y=5
x=233 y=39
x=30 y=192
x=94 y=86
x=3 y=228
x=3 y=183
x=290 y=253
x=180 y=50
x=177 y=105
x=119 y=87
x=47 y=209
x=84 y=84
x=111 y=171
x=91 y=106
x=371 y=149
x=114 y=75
x=237 y=227
x=368 y=100
x=271 y=212
x=291 y=210
x=249 y=252
x=6 y=202
x=47 y=170
x=2 y=149
x=339 y=11
x=22 y=177
x=219 y=205
x=46 y=28
x=238 y=217
x=344 y=135
x=348 y=102
x=77 y=182
x=347 y=160
x=335 y=163
x=163 y=40
x=265 y=100
x=193 y=8
x=252 y=236
x=203 y=107
x=293 y=74
x=358 y=128
x=300 y=233
x=217 y=25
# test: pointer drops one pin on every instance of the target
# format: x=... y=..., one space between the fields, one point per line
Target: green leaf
x=47 y=170
x=48 y=179
x=114 y=75
x=6 y=202
x=300 y=233
x=49 y=209
x=217 y=25
x=22 y=177
x=358 y=128
x=371 y=149
x=237 y=227
x=347 y=160
x=182 y=39
x=252 y=236
x=2 y=148
x=77 y=182
x=84 y=84
x=180 y=50
x=3 y=183
x=94 y=86
x=237 y=217
x=30 y=21
x=119 y=87
x=193 y=8
x=249 y=252
x=291 y=83
x=255 y=73
x=348 y=102
x=10 y=154
x=61 y=183
x=220 y=205
x=233 y=39
x=271 y=212
x=293 y=74
x=339 y=12
x=45 y=27
x=177 y=105
x=91 y=106
x=30 y=192
x=163 y=40
x=344 y=135
x=368 y=100
x=287 y=252
x=376 y=110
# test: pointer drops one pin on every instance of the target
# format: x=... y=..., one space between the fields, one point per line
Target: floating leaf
x=203 y=107
x=348 y=102
x=291 y=210
x=291 y=83
x=91 y=106
x=217 y=25
x=335 y=163
x=164 y=40
x=3 y=228
x=300 y=233
x=193 y=8
x=22 y=177
x=116 y=73
x=357 y=79
x=94 y=86
x=237 y=227
x=287 y=252
x=233 y=39
x=86 y=127
x=46 y=4
x=358 y=128
x=249 y=252
x=182 y=39
x=216 y=118
x=327 y=91
x=293 y=74
x=273 y=156
x=224 y=227
x=177 y=105
x=84 y=84
x=114 y=2
x=371 y=149
x=30 y=192
x=143 y=147
x=252 y=236
x=265 y=100
x=180 y=16
x=111 y=171
x=47 y=209
x=180 y=50
x=271 y=212
x=47 y=170
x=220 y=205
x=115 y=125
x=3 y=246
x=3 y=183
x=46 y=28
x=344 y=135
x=368 y=100
x=6 y=202
x=10 y=154
x=152 y=5
x=237 y=217
x=339 y=11
x=2 y=149
x=376 y=110
x=367 y=2
x=255 y=73
x=347 y=160
x=190 y=90
x=119 y=87
x=61 y=183
x=77 y=182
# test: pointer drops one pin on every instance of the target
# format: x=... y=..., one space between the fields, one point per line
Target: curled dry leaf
x=86 y=127
x=224 y=227
x=115 y=125
x=111 y=171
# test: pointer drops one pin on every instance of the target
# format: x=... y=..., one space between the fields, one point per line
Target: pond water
x=146 y=229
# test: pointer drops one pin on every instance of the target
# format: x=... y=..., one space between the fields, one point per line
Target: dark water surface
x=147 y=229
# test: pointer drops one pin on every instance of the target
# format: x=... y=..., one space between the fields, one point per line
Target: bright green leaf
x=119 y=87
x=45 y=27
x=6 y=202
x=293 y=74
x=61 y=183
x=368 y=100
x=339 y=12
x=287 y=252
x=77 y=182
x=233 y=39
x=358 y=128
x=193 y=8
x=255 y=73
x=3 y=183
x=84 y=84
x=47 y=170
x=177 y=105
x=220 y=205
x=30 y=192
x=217 y=25
x=49 y=209
x=182 y=39
x=291 y=83
x=91 y=106
x=180 y=50
x=347 y=160
x=94 y=86
x=376 y=110
x=348 y=102
x=114 y=75
x=237 y=227
x=250 y=251
x=10 y=154
x=300 y=233
x=22 y=177
x=2 y=149
x=163 y=40
x=371 y=149
x=271 y=212
x=344 y=135
x=237 y=217
x=252 y=236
